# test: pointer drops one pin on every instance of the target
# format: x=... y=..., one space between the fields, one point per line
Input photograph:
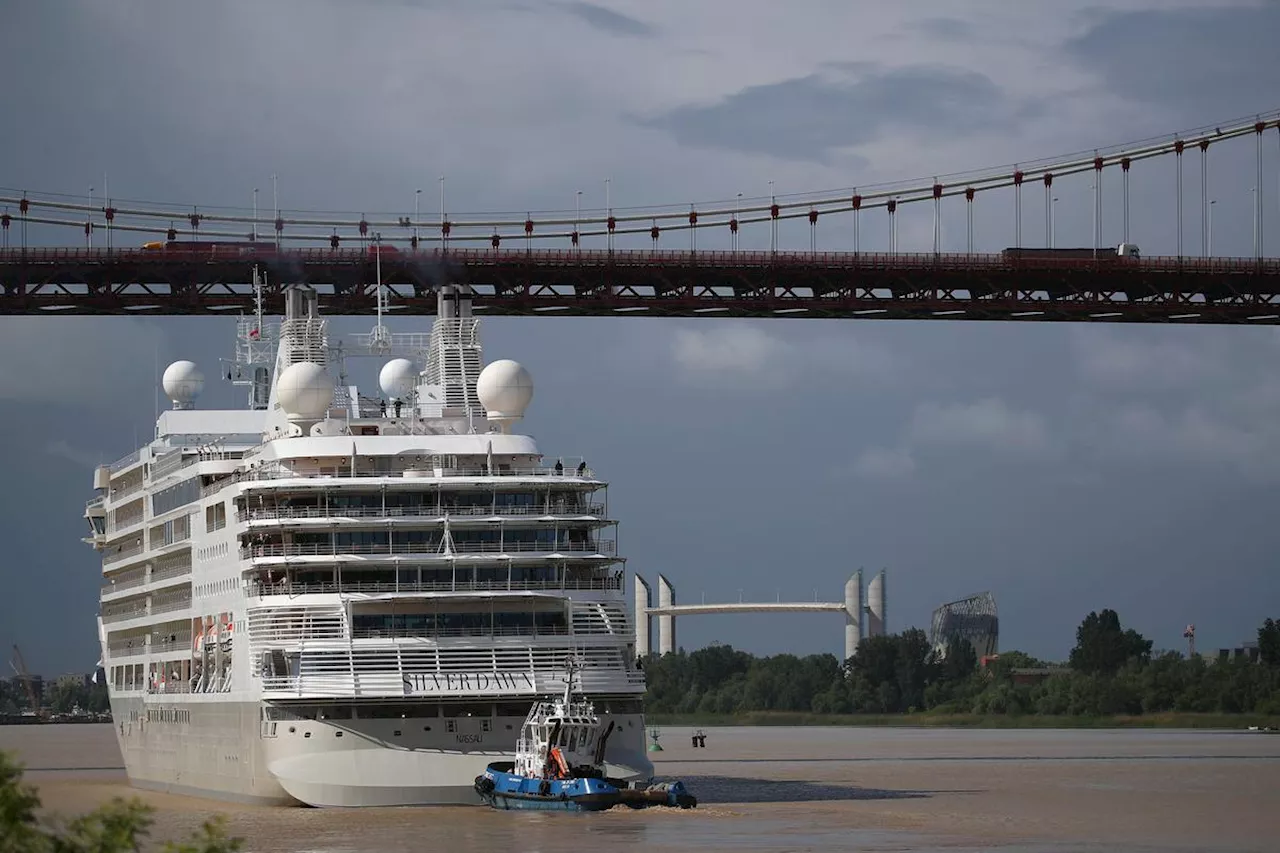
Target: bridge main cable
x=625 y=221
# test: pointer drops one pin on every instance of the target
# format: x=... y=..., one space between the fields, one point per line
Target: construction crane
x=20 y=667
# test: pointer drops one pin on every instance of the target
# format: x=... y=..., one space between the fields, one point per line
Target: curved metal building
x=972 y=619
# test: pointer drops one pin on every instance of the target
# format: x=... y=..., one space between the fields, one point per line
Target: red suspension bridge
x=201 y=260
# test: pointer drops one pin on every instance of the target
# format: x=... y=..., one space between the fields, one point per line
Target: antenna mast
x=380 y=338
x=257 y=297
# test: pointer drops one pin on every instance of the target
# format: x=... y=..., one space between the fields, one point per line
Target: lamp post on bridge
x=1253 y=202
x=773 y=223
x=1209 y=246
x=1053 y=223
x=737 y=206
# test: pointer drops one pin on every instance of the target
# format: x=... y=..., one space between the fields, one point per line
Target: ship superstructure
x=345 y=599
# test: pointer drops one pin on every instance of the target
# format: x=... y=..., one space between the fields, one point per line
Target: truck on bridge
x=1124 y=250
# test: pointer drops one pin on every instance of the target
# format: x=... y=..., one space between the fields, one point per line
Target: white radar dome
x=182 y=382
x=505 y=389
x=304 y=390
x=398 y=378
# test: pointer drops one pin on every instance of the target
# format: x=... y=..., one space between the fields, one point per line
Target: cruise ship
x=334 y=598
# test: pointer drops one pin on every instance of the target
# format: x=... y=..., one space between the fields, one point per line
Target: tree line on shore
x=61 y=697
x=1111 y=671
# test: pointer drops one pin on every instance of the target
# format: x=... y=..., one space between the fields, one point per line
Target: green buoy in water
x=654 y=734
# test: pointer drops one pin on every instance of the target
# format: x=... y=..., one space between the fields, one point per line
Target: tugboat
x=559 y=765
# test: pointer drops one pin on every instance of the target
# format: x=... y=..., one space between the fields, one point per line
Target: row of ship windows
x=435 y=574
x=188 y=491
x=430 y=623
x=409 y=500
x=215 y=587
x=168 y=715
x=212 y=552
x=432 y=538
x=429 y=710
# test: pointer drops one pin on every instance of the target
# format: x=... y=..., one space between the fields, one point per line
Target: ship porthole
x=292 y=729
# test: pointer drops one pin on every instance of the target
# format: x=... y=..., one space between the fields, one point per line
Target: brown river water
x=768 y=790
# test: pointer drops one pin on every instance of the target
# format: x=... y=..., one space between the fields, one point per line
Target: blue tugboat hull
x=499 y=788
x=503 y=790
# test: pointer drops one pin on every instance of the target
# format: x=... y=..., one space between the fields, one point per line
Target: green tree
x=1102 y=646
x=117 y=827
x=66 y=695
x=876 y=660
x=914 y=667
x=1269 y=643
x=959 y=661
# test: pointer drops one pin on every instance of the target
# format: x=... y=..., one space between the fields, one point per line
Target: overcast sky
x=1064 y=468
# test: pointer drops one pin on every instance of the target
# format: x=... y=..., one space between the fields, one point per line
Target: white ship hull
x=221 y=749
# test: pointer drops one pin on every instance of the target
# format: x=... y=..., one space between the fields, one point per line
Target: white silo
x=875 y=606
x=852 y=614
x=666 y=623
x=643 y=601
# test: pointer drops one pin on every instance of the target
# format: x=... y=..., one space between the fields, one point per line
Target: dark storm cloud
x=609 y=20
x=1200 y=62
x=843 y=105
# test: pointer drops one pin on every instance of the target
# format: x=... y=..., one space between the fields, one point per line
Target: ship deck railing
x=117 y=495
x=121 y=552
x=125 y=461
x=338 y=513
x=131 y=579
x=409 y=472
x=600 y=546
x=137 y=578
x=526 y=631
x=117 y=613
x=610 y=584
x=351 y=680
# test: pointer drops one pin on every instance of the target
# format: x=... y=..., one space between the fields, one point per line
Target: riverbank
x=972 y=721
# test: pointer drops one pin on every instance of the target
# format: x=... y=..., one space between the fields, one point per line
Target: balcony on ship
x=496 y=541
x=434 y=578
x=476 y=469
x=156 y=573
x=453 y=619
x=303 y=510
